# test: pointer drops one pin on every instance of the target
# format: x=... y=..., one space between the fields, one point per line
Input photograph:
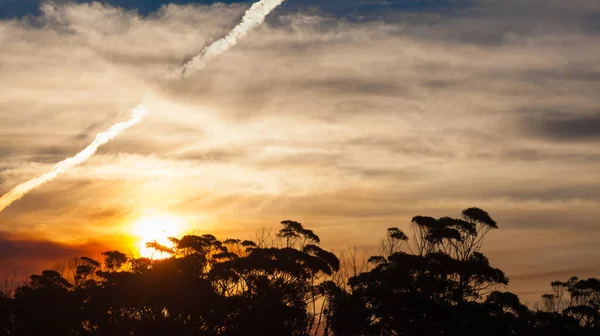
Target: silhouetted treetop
x=114 y=259
x=479 y=216
x=433 y=281
x=396 y=233
x=293 y=231
x=49 y=278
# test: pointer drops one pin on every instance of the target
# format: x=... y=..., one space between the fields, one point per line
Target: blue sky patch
x=344 y=8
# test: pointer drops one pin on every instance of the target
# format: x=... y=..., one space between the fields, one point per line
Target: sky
x=347 y=116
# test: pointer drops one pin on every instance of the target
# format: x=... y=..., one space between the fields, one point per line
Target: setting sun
x=156 y=228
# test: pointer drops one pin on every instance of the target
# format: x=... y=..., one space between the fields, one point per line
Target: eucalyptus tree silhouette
x=113 y=260
x=578 y=300
x=207 y=287
x=423 y=293
x=46 y=306
x=438 y=282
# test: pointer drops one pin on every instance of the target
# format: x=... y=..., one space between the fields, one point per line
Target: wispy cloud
x=348 y=126
x=253 y=18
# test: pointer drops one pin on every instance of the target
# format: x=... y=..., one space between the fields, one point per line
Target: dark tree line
x=435 y=282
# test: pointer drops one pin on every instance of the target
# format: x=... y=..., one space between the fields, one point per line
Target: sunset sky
x=348 y=116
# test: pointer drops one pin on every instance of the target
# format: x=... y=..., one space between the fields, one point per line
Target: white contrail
x=253 y=18
x=137 y=114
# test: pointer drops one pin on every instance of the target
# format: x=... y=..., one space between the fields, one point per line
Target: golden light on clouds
x=158 y=228
x=347 y=127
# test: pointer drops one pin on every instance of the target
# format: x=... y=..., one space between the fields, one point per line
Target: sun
x=156 y=228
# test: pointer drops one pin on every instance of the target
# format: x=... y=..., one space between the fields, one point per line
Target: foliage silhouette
x=433 y=281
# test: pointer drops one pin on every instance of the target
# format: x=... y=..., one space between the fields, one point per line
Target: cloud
x=21 y=257
x=347 y=125
x=566 y=127
x=33 y=249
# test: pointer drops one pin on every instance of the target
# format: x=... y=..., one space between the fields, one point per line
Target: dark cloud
x=545 y=155
x=53 y=153
x=146 y=60
x=95 y=127
x=21 y=257
x=497 y=23
x=386 y=173
x=558 y=74
x=401 y=146
x=553 y=193
x=6 y=151
x=351 y=86
x=591 y=21
x=221 y=154
x=565 y=127
x=35 y=249
x=440 y=84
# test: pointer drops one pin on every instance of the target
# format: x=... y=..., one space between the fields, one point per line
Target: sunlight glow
x=157 y=228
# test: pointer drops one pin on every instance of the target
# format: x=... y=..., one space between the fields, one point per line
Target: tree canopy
x=432 y=280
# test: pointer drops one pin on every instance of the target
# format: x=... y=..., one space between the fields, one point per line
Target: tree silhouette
x=113 y=260
x=423 y=293
x=576 y=299
x=438 y=282
x=46 y=306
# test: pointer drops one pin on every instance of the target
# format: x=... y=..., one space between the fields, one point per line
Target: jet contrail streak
x=137 y=114
x=253 y=18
